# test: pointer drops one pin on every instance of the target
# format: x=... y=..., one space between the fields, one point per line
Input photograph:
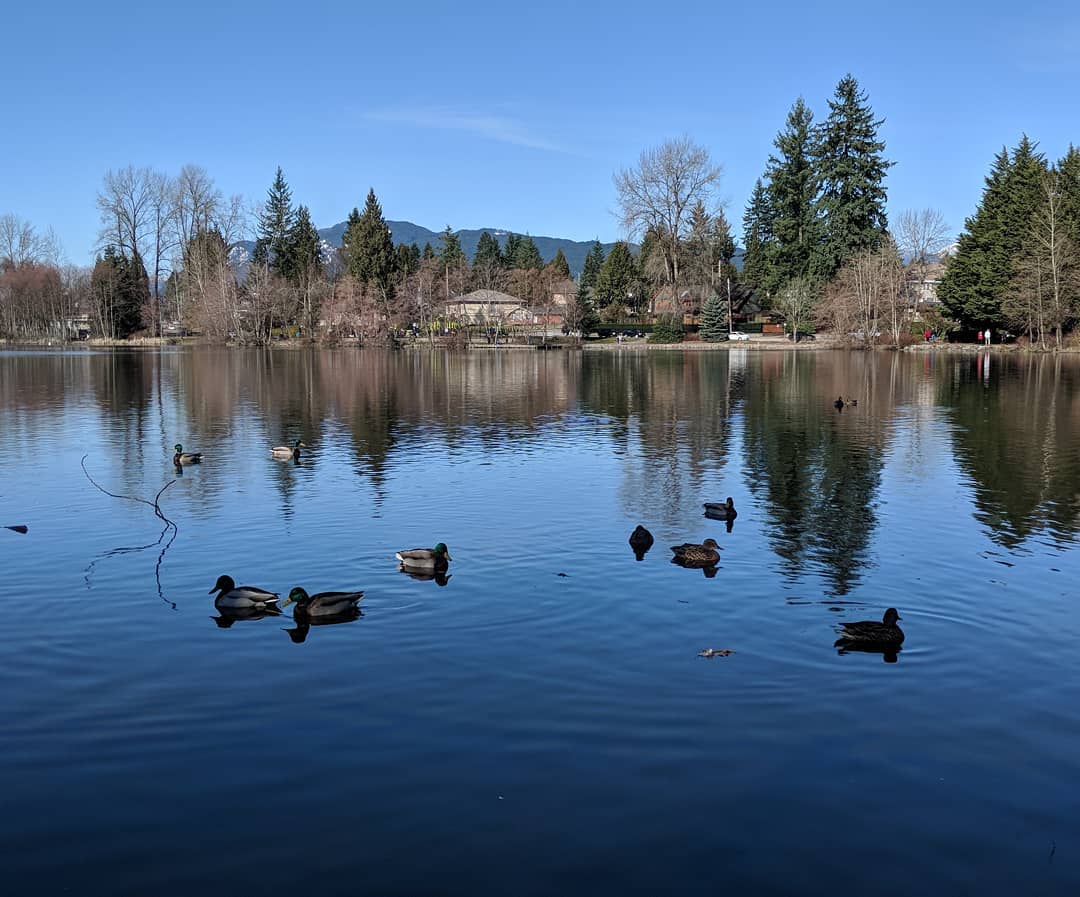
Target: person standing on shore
x=978 y=337
x=986 y=333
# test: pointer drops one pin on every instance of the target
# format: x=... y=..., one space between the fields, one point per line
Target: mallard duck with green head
x=884 y=633
x=182 y=458
x=436 y=558
x=322 y=604
x=691 y=554
x=232 y=595
x=287 y=452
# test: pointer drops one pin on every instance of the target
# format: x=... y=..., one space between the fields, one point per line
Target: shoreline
x=637 y=346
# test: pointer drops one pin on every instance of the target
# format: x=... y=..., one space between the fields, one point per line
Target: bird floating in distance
x=285 y=452
x=183 y=458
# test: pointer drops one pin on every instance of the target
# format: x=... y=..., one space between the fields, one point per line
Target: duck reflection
x=227 y=616
x=889 y=652
x=303 y=623
x=707 y=569
x=440 y=577
x=729 y=522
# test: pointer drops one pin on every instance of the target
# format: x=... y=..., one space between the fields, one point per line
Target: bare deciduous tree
x=658 y=193
x=796 y=301
x=20 y=242
x=125 y=205
x=197 y=202
x=923 y=235
x=866 y=294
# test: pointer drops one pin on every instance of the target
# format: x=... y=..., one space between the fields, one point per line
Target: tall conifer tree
x=276 y=219
x=526 y=255
x=851 y=170
x=488 y=252
x=303 y=254
x=758 y=241
x=977 y=276
x=594 y=263
x=792 y=192
x=560 y=265
x=616 y=280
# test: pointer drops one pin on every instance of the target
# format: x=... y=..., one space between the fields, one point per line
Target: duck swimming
x=285 y=452
x=435 y=558
x=641 y=540
x=182 y=457
x=322 y=604
x=839 y=403
x=725 y=511
x=884 y=633
x=234 y=596
x=690 y=554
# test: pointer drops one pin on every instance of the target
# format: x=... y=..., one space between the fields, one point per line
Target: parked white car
x=738 y=334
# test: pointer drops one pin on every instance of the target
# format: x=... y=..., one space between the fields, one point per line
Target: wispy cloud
x=491 y=127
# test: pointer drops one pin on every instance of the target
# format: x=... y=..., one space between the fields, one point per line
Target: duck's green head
x=441 y=551
x=178 y=448
x=297 y=596
x=223 y=584
x=299 y=444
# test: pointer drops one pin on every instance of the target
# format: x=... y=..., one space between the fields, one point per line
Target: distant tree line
x=818 y=250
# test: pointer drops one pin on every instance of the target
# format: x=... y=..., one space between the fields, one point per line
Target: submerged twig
x=169 y=525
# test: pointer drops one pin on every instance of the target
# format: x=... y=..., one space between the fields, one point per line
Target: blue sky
x=509 y=115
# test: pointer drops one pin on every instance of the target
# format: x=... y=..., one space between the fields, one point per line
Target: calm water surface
x=518 y=731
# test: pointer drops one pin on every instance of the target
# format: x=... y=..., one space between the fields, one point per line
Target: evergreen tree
x=758 y=242
x=348 y=237
x=303 y=254
x=616 y=280
x=276 y=219
x=1069 y=176
x=488 y=253
x=526 y=256
x=428 y=254
x=709 y=249
x=725 y=247
x=406 y=259
x=714 y=320
x=851 y=178
x=451 y=252
x=977 y=276
x=121 y=287
x=594 y=264
x=792 y=192
x=510 y=250
x=560 y=266
x=368 y=248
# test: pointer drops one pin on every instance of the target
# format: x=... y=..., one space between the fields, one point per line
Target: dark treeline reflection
x=670 y=418
x=681 y=427
x=817 y=469
x=1016 y=434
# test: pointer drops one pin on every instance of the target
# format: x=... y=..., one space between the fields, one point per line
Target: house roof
x=486 y=297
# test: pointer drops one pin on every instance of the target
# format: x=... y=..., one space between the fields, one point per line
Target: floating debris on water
x=710 y=653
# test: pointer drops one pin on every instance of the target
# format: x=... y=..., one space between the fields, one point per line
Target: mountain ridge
x=409 y=233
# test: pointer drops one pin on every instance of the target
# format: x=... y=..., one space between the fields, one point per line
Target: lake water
x=515 y=730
